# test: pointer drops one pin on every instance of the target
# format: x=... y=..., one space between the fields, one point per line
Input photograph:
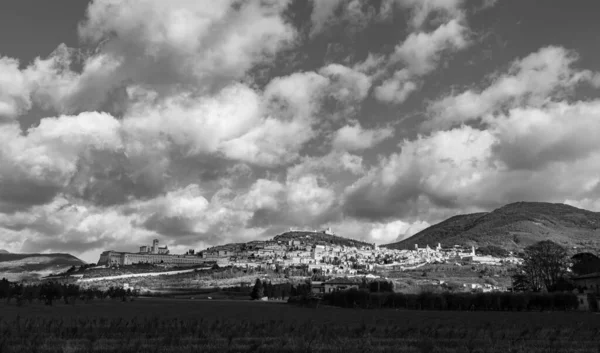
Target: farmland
x=169 y=325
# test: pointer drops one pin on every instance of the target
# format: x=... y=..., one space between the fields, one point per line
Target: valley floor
x=177 y=325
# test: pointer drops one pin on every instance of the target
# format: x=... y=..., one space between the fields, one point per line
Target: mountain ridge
x=17 y=266
x=513 y=227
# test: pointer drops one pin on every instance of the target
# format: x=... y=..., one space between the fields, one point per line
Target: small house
x=317 y=287
x=339 y=284
x=589 y=282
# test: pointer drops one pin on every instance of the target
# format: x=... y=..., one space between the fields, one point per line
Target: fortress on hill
x=148 y=254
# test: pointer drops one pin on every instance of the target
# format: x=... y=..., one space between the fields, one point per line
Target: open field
x=168 y=325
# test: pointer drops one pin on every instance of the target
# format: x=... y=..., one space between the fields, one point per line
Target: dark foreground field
x=167 y=325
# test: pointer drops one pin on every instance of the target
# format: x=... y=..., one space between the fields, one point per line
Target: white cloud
x=14 y=90
x=385 y=233
x=308 y=197
x=209 y=145
x=200 y=45
x=420 y=54
x=346 y=85
x=421 y=51
x=54 y=85
x=40 y=163
x=63 y=226
x=446 y=166
x=531 y=138
x=200 y=124
x=202 y=40
x=297 y=96
x=265 y=194
x=355 y=138
x=547 y=153
x=530 y=81
x=397 y=88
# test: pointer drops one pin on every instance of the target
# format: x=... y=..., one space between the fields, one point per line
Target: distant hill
x=305 y=236
x=31 y=266
x=513 y=227
x=320 y=238
x=2 y=251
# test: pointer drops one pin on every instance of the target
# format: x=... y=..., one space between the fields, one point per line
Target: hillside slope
x=31 y=266
x=312 y=238
x=319 y=238
x=513 y=227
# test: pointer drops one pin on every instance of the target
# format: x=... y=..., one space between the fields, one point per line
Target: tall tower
x=155 y=246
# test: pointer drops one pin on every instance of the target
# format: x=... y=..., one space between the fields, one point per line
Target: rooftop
x=341 y=281
x=589 y=275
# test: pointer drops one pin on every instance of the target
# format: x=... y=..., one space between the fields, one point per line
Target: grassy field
x=177 y=325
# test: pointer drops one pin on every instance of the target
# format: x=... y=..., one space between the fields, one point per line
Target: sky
x=201 y=123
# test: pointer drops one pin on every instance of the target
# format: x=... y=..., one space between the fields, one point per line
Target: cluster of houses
x=338 y=259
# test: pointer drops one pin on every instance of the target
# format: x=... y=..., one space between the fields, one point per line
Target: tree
x=520 y=282
x=257 y=291
x=50 y=291
x=265 y=286
x=585 y=263
x=544 y=266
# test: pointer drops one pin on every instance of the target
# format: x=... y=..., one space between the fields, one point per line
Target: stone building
x=154 y=254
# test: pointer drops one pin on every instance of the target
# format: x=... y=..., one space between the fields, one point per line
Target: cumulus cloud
x=355 y=138
x=540 y=77
x=534 y=153
x=61 y=226
x=443 y=168
x=164 y=131
x=397 y=88
x=159 y=46
x=38 y=164
x=198 y=41
x=395 y=231
x=14 y=90
x=420 y=53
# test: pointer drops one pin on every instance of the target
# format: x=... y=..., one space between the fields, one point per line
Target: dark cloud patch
x=170 y=226
x=73 y=243
x=20 y=195
x=266 y=217
x=375 y=202
x=108 y=178
x=528 y=154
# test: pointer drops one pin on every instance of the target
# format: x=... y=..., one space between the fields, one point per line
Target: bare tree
x=544 y=265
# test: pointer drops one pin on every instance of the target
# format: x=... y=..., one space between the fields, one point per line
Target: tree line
x=285 y=290
x=491 y=301
x=51 y=291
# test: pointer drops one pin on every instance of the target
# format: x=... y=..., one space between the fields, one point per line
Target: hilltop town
x=319 y=251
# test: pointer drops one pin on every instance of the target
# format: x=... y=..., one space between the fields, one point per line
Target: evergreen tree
x=277 y=291
x=257 y=291
x=265 y=286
